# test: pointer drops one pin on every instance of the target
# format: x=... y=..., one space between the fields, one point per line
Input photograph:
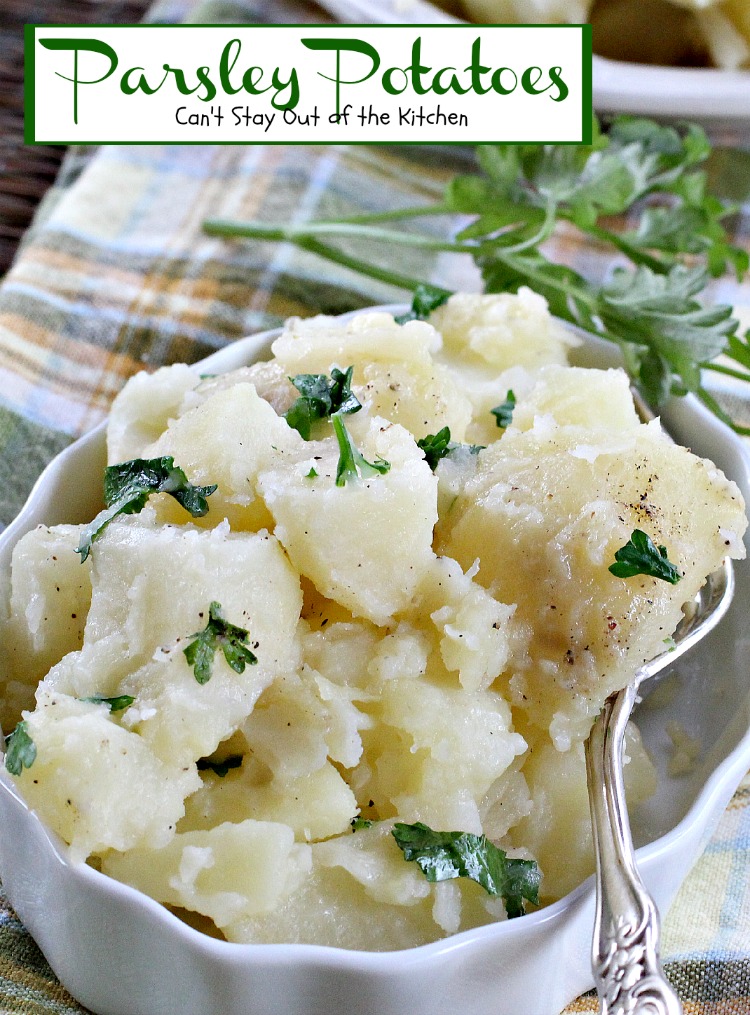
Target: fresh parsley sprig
x=352 y=465
x=128 y=486
x=218 y=634
x=20 y=749
x=638 y=170
x=320 y=398
x=446 y=855
x=641 y=556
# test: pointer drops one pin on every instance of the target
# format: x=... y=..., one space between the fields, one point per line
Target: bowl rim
x=715 y=792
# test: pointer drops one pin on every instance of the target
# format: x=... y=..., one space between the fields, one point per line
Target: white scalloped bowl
x=121 y=953
x=719 y=100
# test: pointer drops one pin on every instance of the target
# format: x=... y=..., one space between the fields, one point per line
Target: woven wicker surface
x=26 y=171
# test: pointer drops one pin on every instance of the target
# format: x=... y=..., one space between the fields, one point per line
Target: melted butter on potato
x=431 y=645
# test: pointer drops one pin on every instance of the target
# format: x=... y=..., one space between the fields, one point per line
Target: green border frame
x=29 y=86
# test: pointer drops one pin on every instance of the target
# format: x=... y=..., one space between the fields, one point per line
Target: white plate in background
x=717 y=99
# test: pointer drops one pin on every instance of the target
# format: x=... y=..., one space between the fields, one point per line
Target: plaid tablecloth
x=115 y=274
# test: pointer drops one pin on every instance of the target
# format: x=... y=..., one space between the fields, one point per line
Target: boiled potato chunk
x=501 y=330
x=475 y=631
x=316 y=805
x=227 y=441
x=355 y=876
x=336 y=535
x=49 y=600
x=423 y=398
x=152 y=587
x=557 y=829
x=547 y=509
x=144 y=407
x=97 y=785
x=229 y=873
x=576 y=396
x=315 y=345
x=433 y=753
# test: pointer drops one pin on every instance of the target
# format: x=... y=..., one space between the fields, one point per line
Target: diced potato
x=502 y=330
x=575 y=396
x=334 y=535
x=227 y=440
x=434 y=752
x=301 y=721
x=229 y=873
x=547 y=509
x=423 y=398
x=342 y=651
x=152 y=587
x=50 y=596
x=558 y=828
x=316 y=344
x=82 y=781
x=144 y=407
x=352 y=878
x=268 y=378
x=475 y=630
x=316 y=805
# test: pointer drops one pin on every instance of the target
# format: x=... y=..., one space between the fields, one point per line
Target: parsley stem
x=261 y=231
x=719 y=368
x=636 y=254
x=222 y=227
x=394 y=215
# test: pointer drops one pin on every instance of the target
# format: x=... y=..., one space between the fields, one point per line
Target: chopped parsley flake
x=20 y=749
x=640 y=556
x=426 y=298
x=321 y=398
x=352 y=464
x=438 y=446
x=220 y=768
x=218 y=633
x=128 y=486
x=504 y=413
x=359 y=823
x=116 y=704
x=446 y=855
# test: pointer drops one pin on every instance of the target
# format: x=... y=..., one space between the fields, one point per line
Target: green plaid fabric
x=115 y=274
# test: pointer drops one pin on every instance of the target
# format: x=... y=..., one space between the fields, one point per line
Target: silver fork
x=625 y=953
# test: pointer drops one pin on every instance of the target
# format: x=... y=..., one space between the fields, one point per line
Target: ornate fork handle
x=625 y=956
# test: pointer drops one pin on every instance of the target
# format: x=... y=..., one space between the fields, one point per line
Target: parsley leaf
x=439 y=445
x=218 y=633
x=435 y=446
x=220 y=768
x=446 y=855
x=20 y=749
x=128 y=485
x=426 y=298
x=640 y=556
x=359 y=823
x=320 y=398
x=503 y=413
x=116 y=704
x=352 y=464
